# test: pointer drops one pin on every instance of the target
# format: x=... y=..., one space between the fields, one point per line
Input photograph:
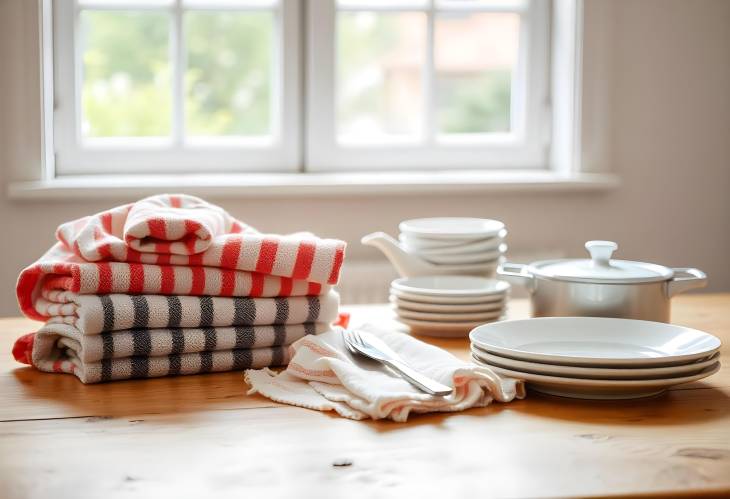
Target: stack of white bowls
x=596 y=357
x=462 y=246
x=447 y=306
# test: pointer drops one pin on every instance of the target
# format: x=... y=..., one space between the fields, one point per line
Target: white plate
x=441 y=329
x=498 y=304
x=420 y=243
x=449 y=227
x=482 y=270
x=454 y=245
x=590 y=372
x=595 y=341
x=446 y=300
x=448 y=317
x=450 y=286
x=484 y=257
x=585 y=388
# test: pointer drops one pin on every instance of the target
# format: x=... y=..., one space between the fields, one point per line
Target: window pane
x=484 y=4
x=390 y=4
x=229 y=73
x=126 y=74
x=475 y=58
x=380 y=60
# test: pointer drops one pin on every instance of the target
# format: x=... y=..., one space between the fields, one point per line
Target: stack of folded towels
x=173 y=285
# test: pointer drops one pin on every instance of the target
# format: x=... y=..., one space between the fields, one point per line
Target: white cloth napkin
x=323 y=375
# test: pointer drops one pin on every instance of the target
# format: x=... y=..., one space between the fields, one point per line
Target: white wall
x=669 y=140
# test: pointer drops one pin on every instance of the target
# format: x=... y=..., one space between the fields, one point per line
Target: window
x=176 y=85
x=288 y=85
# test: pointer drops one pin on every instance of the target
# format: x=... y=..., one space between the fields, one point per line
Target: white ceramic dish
x=448 y=227
x=446 y=300
x=441 y=329
x=448 y=246
x=595 y=341
x=458 y=317
x=593 y=372
x=482 y=257
x=420 y=243
x=498 y=304
x=585 y=388
x=471 y=269
x=461 y=286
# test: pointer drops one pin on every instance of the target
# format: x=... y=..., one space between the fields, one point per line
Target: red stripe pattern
x=185 y=230
x=61 y=269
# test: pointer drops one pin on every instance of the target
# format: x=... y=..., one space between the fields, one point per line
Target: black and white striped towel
x=94 y=314
x=149 y=353
x=55 y=340
x=167 y=365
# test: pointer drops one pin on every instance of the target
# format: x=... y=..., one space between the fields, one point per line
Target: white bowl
x=451 y=227
x=467 y=258
x=424 y=243
x=466 y=248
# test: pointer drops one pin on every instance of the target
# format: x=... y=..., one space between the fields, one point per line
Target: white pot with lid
x=601 y=286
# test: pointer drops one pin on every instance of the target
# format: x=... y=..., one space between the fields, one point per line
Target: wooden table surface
x=202 y=436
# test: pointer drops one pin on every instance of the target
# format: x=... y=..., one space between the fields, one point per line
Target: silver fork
x=368 y=345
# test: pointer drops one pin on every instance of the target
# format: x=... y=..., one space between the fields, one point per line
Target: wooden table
x=201 y=436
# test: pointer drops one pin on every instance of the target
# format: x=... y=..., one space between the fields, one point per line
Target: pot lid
x=600 y=268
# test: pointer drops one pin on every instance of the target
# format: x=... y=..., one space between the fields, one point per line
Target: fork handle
x=417 y=379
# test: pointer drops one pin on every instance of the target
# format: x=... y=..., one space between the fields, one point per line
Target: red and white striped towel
x=60 y=269
x=185 y=230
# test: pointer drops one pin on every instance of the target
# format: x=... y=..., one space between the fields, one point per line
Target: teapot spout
x=406 y=264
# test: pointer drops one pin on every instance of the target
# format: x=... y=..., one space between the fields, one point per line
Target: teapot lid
x=600 y=268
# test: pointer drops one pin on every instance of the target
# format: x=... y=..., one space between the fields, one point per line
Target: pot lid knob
x=601 y=252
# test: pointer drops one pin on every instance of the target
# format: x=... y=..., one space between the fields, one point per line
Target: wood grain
x=201 y=436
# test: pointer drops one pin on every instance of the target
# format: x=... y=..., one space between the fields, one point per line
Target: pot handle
x=516 y=273
x=685 y=279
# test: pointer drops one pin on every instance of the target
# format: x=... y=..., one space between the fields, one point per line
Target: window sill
x=308 y=184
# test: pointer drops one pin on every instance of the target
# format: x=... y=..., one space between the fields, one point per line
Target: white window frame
x=281 y=152
x=527 y=146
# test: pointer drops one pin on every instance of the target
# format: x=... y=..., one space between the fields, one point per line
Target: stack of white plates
x=448 y=306
x=467 y=246
x=596 y=358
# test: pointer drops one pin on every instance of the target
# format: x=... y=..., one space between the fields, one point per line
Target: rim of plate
x=515 y=352
x=425 y=242
x=591 y=372
x=448 y=227
x=418 y=306
x=484 y=257
x=595 y=382
x=446 y=317
x=447 y=300
x=428 y=285
x=444 y=325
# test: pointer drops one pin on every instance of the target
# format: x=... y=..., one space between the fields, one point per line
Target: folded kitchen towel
x=60 y=269
x=185 y=230
x=52 y=341
x=139 y=367
x=325 y=376
x=93 y=314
